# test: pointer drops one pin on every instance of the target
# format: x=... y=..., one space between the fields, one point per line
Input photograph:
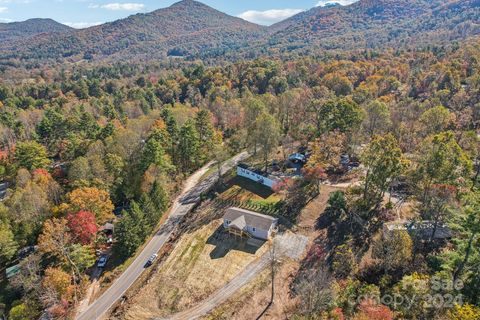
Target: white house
x=257 y=176
x=244 y=222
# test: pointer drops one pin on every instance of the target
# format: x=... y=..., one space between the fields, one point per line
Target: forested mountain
x=192 y=29
x=184 y=28
x=28 y=28
x=373 y=23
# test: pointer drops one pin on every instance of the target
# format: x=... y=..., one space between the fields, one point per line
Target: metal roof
x=250 y=218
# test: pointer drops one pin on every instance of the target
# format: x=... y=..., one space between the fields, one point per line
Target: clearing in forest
x=202 y=261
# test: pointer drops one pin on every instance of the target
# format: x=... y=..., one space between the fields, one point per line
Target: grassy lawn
x=202 y=261
x=242 y=189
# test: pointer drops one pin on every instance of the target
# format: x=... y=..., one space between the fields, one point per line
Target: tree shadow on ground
x=225 y=242
x=246 y=184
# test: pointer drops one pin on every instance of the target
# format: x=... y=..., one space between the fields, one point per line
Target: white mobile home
x=257 y=176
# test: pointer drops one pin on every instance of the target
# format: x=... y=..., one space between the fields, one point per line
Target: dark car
x=102 y=262
x=151 y=260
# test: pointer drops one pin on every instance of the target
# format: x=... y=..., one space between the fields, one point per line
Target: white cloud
x=323 y=3
x=268 y=17
x=3 y=9
x=16 y=1
x=5 y=20
x=119 y=6
x=81 y=25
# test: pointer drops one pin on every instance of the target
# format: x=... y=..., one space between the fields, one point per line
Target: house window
x=253 y=229
x=227 y=221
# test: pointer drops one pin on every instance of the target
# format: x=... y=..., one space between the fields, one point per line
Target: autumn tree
x=370 y=310
x=415 y=288
x=327 y=150
x=56 y=241
x=436 y=120
x=253 y=110
x=8 y=245
x=344 y=262
x=57 y=284
x=92 y=200
x=464 y=312
x=343 y=115
x=383 y=161
x=55 y=238
x=394 y=249
x=315 y=173
x=31 y=155
x=460 y=260
x=340 y=84
x=267 y=135
x=377 y=118
x=83 y=227
x=441 y=161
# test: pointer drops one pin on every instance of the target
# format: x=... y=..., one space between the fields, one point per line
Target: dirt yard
x=202 y=262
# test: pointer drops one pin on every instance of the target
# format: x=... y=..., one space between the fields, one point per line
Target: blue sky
x=84 y=13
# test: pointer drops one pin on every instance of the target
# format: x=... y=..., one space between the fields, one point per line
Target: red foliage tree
x=83 y=227
x=40 y=172
x=316 y=174
x=337 y=314
x=369 y=310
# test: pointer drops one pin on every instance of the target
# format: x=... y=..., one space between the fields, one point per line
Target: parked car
x=151 y=260
x=102 y=262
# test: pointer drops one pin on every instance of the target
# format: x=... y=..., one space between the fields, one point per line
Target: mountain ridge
x=377 y=23
x=30 y=27
x=190 y=28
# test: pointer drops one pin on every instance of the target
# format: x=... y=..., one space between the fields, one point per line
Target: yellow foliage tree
x=92 y=200
x=59 y=283
x=464 y=312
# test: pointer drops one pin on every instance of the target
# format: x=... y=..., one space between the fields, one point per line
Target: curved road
x=182 y=205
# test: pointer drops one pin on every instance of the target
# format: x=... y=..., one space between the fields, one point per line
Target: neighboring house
x=12 y=271
x=424 y=229
x=4 y=190
x=256 y=175
x=421 y=230
x=243 y=222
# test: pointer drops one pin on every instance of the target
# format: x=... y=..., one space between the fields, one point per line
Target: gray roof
x=239 y=223
x=239 y=217
x=424 y=229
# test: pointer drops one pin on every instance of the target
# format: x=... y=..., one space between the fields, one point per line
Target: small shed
x=12 y=271
x=247 y=223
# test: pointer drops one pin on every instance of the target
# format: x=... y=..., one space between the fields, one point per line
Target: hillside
x=29 y=28
x=376 y=23
x=184 y=28
x=193 y=30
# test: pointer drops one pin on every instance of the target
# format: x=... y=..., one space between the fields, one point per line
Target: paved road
x=182 y=205
x=286 y=245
